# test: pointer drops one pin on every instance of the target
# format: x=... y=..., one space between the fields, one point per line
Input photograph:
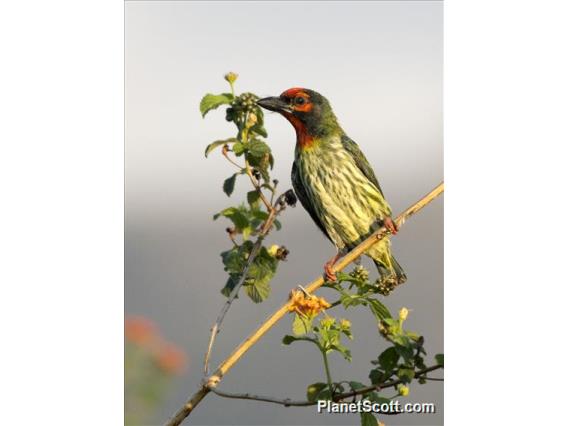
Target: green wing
x=305 y=200
x=360 y=160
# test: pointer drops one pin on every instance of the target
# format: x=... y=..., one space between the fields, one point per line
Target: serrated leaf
x=439 y=359
x=210 y=102
x=313 y=391
x=367 y=419
x=258 y=148
x=301 y=325
x=233 y=260
x=257 y=289
x=389 y=359
x=218 y=143
x=234 y=215
x=379 y=310
x=229 y=185
x=238 y=148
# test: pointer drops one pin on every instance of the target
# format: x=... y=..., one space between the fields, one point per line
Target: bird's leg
x=390 y=225
x=328 y=267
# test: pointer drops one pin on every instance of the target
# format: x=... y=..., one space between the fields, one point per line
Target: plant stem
x=327 y=372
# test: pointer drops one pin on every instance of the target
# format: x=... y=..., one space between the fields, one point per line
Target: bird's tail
x=390 y=271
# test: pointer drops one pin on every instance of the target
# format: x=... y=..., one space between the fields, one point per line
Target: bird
x=335 y=183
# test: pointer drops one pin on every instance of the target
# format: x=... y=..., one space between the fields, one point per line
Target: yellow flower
x=309 y=306
x=231 y=77
x=345 y=323
x=403 y=314
x=403 y=390
x=272 y=250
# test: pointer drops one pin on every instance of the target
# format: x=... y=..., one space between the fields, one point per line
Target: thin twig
x=287 y=402
x=274 y=211
x=249 y=342
x=256 y=185
x=225 y=153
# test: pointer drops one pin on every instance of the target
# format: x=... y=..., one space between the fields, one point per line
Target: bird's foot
x=329 y=273
x=390 y=225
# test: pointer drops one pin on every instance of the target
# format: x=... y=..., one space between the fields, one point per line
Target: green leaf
x=258 y=291
x=301 y=325
x=313 y=391
x=376 y=376
x=258 y=148
x=218 y=143
x=229 y=185
x=379 y=310
x=389 y=359
x=239 y=219
x=405 y=374
x=259 y=214
x=259 y=130
x=253 y=197
x=440 y=359
x=209 y=102
x=367 y=419
x=230 y=285
x=277 y=224
x=247 y=232
x=348 y=300
x=407 y=353
x=234 y=215
x=233 y=260
x=289 y=339
x=343 y=350
x=238 y=148
x=259 y=275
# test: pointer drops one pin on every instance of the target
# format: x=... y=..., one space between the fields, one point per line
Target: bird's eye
x=299 y=100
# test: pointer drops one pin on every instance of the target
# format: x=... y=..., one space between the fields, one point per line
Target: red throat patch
x=303 y=138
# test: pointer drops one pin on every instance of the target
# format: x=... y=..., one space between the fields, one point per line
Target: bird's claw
x=329 y=272
x=390 y=225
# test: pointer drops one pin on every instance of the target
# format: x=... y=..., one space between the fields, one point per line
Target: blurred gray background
x=380 y=65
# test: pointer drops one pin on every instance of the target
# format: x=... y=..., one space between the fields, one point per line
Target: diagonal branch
x=237 y=354
x=287 y=402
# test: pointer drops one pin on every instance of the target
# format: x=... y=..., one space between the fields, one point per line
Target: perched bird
x=334 y=181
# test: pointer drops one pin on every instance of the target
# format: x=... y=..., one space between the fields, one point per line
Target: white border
x=61 y=174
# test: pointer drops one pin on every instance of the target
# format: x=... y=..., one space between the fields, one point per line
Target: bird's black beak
x=274 y=104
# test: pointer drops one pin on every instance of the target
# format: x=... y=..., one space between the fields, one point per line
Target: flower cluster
x=307 y=305
x=144 y=334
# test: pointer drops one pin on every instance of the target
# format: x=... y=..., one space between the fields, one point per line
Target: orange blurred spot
x=171 y=359
x=139 y=330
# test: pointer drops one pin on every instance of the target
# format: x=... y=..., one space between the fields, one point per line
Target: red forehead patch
x=295 y=91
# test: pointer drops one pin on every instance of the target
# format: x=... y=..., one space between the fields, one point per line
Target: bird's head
x=308 y=111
